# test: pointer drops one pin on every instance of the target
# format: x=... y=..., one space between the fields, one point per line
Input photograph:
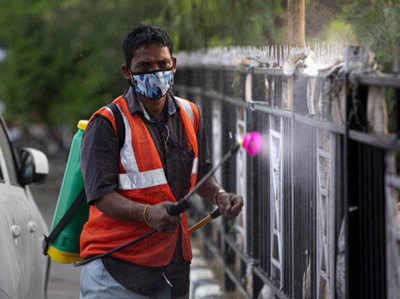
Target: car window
x=8 y=156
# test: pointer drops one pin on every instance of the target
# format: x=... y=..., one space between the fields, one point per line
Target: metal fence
x=319 y=219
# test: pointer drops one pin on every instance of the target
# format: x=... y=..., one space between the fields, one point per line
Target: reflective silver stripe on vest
x=133 y=178
x=128 y=159
x=109 y=110
x=186 y=106
x=195 y=165
x=188 y=109
x=138 y=180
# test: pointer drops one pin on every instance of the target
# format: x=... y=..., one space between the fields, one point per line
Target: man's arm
x=229 y=204
x=122 y=208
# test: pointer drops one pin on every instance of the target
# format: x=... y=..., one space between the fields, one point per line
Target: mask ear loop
x=130 y=81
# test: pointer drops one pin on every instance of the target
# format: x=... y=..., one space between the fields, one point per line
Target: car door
x=21 y=228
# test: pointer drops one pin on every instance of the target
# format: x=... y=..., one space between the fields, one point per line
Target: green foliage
x=200 y=24
x=63 y=57
x=58 y=67
x=376 y=23
x=338 y=31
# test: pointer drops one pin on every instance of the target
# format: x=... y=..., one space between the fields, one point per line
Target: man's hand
x=229 y=204
x=157 y=216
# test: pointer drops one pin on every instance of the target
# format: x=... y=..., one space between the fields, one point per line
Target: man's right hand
x=157 y=216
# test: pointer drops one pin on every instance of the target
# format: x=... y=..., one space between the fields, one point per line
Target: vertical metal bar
x=365 y=212
x=358 y=228
x=398 y=111
x=345 y=181
x=230 y=169
x=207 y=119
x=374 y=206
x=396 y=69
x=312 y=182
x=383 y=253
x=267 y=210
x=292 y=260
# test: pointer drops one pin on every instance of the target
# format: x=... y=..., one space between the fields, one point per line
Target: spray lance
x=251 y=142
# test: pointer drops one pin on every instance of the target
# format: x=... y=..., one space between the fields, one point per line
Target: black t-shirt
x=100 y=168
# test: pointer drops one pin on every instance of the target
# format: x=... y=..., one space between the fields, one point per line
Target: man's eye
x=164 y=64
x=146 y=66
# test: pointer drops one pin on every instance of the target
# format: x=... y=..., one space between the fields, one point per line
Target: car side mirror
x=34 y=166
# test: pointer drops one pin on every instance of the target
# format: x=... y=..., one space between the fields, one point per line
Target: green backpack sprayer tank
x=62 y=245
x=72 y=211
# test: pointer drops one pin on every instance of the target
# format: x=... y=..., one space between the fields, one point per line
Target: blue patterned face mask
x=153 y=85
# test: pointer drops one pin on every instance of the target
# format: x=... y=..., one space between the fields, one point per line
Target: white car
x=23 y=267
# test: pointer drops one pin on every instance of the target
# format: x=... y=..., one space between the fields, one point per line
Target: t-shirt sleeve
x=205 y=162
x=99 y=159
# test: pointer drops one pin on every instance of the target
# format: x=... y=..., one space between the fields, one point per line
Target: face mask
x=153 y=85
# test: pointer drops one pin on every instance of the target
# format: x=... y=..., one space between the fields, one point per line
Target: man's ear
x=125 y=72
x=174 y=64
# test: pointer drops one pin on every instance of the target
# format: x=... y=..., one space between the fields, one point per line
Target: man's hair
x=145 y=35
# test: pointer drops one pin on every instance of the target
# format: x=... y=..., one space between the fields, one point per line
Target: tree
x=62 y=64
x=296 y=23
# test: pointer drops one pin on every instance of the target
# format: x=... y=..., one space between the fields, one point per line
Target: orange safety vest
x=143 y=180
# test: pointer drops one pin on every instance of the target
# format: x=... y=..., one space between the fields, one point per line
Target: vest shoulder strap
x=119 y=123
x=191 y=110
x=114 y=110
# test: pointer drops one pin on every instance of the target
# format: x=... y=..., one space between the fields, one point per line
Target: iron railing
x=318 y=220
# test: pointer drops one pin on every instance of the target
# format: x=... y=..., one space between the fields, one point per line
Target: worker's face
x=151 y=71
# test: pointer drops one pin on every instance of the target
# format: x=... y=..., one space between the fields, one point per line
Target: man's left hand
x=229 y=204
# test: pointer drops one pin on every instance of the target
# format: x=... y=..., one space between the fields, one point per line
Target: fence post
x=207 y=111
x=261 y=90
x=292 y=215
x=228 y=128
x=366 y=275
x=345 y=283
x=392 y=214
x=352 y=55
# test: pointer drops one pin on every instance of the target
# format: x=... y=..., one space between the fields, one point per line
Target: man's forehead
x=151 y=50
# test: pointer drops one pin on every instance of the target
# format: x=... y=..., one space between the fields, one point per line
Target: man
x=130 y=187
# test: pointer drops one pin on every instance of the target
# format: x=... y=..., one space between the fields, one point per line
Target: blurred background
x=60 y=60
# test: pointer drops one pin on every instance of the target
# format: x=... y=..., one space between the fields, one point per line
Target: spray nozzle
x=252 y=143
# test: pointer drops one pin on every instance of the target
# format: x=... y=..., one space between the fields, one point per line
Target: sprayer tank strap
x=63 y=221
